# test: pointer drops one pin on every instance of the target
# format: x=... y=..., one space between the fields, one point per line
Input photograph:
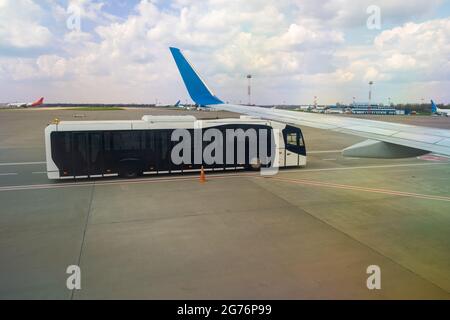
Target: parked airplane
x=440 y=112
x=37 y=103
x=181 y=106
x=385 y=140
x=318 y=109
x=334 y=111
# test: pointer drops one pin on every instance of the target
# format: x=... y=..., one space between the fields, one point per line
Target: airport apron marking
x=243 y=174
x=363 y=189
x=20 y=164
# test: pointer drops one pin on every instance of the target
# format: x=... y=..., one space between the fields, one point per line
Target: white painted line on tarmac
x=20 y=164
x=333 y=159
x=323 y=151
x=387 y=166
x=8 y=174
x=43 y=172
x=97 y=183
x=363 y=189
x=88 y=183
x=43 y=162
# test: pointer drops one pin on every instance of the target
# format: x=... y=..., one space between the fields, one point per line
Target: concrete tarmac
x=306 y=233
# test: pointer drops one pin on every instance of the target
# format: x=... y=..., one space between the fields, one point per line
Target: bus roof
x=157 y=122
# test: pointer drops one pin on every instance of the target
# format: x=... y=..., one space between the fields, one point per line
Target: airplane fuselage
x=443 y=112
x=26 y=104
x=18 y=105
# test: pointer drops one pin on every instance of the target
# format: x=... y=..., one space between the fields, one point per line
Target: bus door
x=294 y=146
x=281 y=149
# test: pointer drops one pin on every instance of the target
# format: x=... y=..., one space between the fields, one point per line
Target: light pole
x=249 y=78
x=370 y=93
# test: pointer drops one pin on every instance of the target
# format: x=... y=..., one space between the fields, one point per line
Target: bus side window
x=126 y=141
x=62 y=148
x=116 y=141
x=68 y=143
x=301 y=142
x=150 y=141
x=81 y=145
x=96 y=145
x=142 y=140
x=292 y=139
x=107 y=141
x=165 y=143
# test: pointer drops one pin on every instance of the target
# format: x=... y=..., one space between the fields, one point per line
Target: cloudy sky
x=295 y=49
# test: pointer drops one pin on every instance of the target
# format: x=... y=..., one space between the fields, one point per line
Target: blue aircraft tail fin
x=178 y=103
x=196 y=87
x=434 y=108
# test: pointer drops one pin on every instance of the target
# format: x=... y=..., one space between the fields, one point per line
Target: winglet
x=434 y=108
x=196 y=87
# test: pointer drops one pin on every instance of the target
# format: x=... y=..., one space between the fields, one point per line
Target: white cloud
x=18 y=69
x=76 y=37
x=52 y=66
x=400 y=61
x=20 y=24
x=295 y=50
x=350 y=13
x=91 y=10
x=298 y=35
x=421 y=48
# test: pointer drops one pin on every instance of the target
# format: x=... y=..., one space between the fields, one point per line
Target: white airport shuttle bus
x=94 y=149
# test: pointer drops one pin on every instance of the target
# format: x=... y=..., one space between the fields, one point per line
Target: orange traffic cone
x=202 y=176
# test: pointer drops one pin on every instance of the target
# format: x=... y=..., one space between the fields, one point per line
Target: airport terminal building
x=365 y=108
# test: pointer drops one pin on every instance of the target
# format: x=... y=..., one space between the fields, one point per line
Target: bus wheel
x=255 y=165
x=129 y=172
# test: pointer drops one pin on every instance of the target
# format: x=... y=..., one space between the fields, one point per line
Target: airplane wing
x=385 y=140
